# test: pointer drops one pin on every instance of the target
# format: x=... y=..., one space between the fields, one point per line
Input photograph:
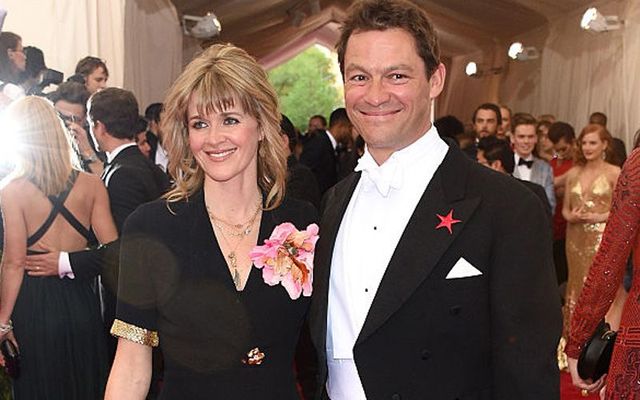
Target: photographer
x=70 y=101
x=36 y=76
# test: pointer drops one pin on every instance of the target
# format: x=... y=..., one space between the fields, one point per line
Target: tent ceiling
x=264 y=27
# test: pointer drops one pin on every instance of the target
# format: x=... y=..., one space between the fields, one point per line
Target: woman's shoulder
x=159 y=213
x=89 y=182
x=301 y=213
x=613 y=171
x=89 y=178
x=17 y=187
x=574 y=171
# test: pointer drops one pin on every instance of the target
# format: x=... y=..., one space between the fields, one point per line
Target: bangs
x=213 y=93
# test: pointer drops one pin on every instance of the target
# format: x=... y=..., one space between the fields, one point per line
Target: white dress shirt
x=524 y=172
x=162 y=159
x=378 y=212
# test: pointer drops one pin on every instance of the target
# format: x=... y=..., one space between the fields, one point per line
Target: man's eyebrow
x=390 y=68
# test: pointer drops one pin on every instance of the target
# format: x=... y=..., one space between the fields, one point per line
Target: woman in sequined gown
x=587 y=202
x=619 y=239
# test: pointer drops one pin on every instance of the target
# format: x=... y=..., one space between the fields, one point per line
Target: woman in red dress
x=619 y=239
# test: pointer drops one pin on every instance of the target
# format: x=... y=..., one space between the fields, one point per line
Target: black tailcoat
x=491 y=336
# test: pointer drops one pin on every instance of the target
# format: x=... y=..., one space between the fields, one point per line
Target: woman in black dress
x=189 y=273
x=48 y=204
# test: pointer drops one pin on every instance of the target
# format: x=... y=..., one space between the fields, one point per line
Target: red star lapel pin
x=447 y=221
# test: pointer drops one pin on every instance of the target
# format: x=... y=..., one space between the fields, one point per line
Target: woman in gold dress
x=587 y=201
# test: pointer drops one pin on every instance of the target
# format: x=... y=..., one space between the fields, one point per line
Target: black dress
x=175 y=288
x=58 y=327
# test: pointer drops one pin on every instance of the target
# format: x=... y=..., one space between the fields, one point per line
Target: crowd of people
x=399 y=257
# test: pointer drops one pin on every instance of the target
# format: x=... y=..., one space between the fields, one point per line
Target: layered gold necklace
x=239 y=231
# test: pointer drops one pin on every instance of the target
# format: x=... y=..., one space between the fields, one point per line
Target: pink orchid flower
x=286 y=258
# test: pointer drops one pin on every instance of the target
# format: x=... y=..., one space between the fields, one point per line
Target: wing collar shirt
x=523 y=172
x=378 y=212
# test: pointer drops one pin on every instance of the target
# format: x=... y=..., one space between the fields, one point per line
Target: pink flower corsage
x=287 y=258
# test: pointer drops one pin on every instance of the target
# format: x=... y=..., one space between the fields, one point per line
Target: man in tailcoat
x=433 y=275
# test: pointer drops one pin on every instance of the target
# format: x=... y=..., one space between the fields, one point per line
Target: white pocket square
x=463 y=269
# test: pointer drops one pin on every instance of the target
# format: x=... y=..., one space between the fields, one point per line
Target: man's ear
x=437 y=81
x=497 y=166
x=98 y=127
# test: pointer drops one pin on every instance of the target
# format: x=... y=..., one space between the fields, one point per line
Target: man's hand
x=9 y=335
x=80 y=136
x=45 y=264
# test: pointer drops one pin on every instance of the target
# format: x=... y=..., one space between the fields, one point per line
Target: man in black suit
x=425 y=284
x=301 y=182
x=497 y=154
x=131 y=180
x=319 y=154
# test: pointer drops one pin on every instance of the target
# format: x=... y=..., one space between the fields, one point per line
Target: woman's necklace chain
x=245 y=229
x=242 y=229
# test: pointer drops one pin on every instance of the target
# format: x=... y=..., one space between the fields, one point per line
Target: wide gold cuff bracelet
x=134 y=333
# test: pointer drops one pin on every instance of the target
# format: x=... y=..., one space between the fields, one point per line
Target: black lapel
x=337 y=200
x=117 y=160
x=422 y=245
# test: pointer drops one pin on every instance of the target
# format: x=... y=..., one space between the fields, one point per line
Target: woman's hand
x=577 y=216
x=591 y=387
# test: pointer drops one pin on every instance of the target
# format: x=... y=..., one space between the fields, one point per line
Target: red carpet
x=570 y=392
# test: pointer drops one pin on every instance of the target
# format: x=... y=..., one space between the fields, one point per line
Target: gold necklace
x=243 y=229
x=246 y=229
x=233 y=261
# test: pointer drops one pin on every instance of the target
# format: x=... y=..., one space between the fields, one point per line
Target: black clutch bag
x=596 y=355
x=11 y=358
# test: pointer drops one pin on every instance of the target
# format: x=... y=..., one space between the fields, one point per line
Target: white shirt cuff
x=64 y=266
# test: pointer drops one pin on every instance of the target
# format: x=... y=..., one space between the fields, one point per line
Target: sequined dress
x=583 y=239
x=603 y=280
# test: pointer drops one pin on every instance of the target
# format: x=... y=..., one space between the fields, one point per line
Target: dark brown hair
x=380 y=15
x=8 y=72
x=87 y=65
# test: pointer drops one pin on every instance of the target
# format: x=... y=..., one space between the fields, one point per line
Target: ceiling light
x=205 y=27
x=471 y=69
x=518 y=52
x=474 y=70
x=594 y=21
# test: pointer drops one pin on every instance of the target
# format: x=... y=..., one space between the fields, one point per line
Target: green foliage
x=306 y=86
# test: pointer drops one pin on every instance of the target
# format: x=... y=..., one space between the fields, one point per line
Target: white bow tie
x=384 y=177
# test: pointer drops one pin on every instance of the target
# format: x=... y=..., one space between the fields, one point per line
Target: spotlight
x=594 y=21
x=518 y=52
x=205 y=27
x=473 y=70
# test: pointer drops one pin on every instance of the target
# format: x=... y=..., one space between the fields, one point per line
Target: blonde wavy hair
x=44 y=153
x=218 y=78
